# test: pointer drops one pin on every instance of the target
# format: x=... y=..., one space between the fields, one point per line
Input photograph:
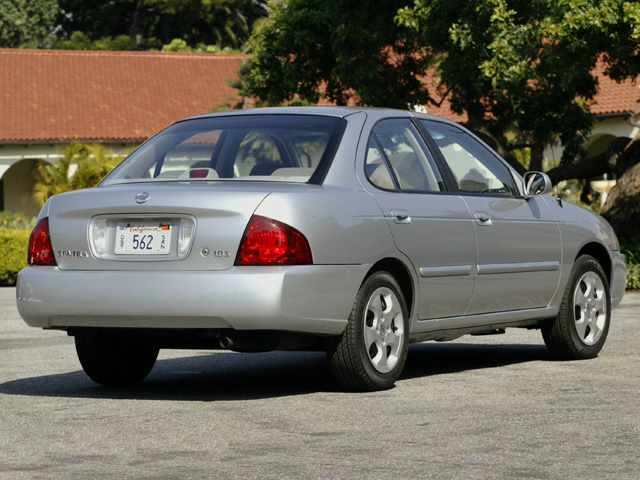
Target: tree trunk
x=616 y=160
x=587 y=168
x=622 y=208
x=136 y=29
x=537 y=153
x=503 y=152
x=621 y=155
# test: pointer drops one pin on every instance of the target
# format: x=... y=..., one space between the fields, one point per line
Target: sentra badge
x=73 y=253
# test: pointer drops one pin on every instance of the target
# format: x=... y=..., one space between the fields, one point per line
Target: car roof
x=331 y=111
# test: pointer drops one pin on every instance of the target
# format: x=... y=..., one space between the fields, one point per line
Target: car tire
x=582 y=324
x=115 y=361
x=371 y=352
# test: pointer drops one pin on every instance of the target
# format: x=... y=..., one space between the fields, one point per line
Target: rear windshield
x=273 y=148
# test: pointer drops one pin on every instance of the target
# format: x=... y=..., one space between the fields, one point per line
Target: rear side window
x=397 y=157
x=290 y=148
x=376 y=167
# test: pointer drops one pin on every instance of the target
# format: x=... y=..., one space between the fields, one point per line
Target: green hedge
x=633 y=276
x=13 y=253
x=631 y=249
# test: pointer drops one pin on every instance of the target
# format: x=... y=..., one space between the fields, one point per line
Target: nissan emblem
x=142 y=197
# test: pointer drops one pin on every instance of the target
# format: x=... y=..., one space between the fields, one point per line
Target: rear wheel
x=371 y=352
x=581 y=327
x=115 y=361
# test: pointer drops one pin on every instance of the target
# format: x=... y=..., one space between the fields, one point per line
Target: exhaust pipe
x=264 y=341
x=250 y=343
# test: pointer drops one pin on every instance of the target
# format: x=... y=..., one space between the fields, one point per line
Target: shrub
x=16 y=220
x=631 y=250
x=13 y=253
x=633 y=276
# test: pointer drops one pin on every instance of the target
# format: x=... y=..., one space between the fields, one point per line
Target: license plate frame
x=143 y=238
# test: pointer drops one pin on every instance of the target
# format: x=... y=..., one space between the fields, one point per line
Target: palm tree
x=80 y=166
x=94 y=162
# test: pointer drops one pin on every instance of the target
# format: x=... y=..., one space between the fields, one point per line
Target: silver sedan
x=353 y=230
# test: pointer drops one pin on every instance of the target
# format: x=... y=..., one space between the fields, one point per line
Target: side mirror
x=536 y=183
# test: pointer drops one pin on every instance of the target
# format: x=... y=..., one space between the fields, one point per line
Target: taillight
x=40 y=250
x=269 y=242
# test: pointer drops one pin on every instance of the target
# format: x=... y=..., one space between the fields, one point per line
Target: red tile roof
x=62 y=95
x=443 y=109
x=615 y=98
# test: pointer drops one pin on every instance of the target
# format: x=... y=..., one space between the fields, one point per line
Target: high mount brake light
x=269 y=242
x=40 y=250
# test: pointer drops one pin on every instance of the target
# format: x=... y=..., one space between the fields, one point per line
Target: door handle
x=483 y=219
x=400 y=216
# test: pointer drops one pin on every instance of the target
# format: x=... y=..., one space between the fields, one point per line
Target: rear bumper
x=313 y=299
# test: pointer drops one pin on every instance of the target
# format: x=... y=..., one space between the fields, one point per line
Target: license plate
x=143 y=239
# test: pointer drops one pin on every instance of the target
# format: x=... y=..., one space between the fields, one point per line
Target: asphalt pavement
x=496 y=407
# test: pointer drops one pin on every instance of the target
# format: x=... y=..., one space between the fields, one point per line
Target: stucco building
x=49 y=98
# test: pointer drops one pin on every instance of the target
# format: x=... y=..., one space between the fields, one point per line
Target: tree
x=522 y=71
x=527 y=66
x=80 y=41
x=26 y=23
x=92 y=162
x=154 y=23
x=347 y=51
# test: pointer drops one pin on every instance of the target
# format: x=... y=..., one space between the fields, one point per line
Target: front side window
x=408 y=165
x=289 y=148
x=474 y=168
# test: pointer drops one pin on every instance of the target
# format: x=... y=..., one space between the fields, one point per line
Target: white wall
x=18 y=181
x=603 y=132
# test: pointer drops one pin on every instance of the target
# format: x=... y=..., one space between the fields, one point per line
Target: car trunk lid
x=124 y=227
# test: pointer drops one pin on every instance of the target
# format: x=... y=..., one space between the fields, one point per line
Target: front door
x=518 y=239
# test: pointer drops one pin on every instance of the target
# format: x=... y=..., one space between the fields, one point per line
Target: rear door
x=430 y=226
x=519 y=243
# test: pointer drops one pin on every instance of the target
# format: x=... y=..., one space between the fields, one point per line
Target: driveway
x=477 y=408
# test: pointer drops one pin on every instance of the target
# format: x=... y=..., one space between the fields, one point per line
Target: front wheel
x=115 y=361
x=371 y=352
x=581 y=328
